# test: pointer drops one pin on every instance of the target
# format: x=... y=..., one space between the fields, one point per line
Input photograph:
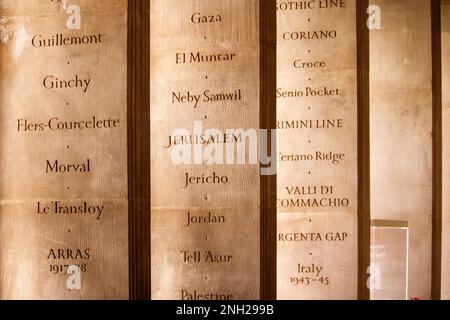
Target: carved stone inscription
x=205 y=214
x=317 y=152
x=63 y=161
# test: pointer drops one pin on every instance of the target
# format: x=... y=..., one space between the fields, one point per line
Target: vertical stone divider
x=139 y=149
x=268 y=31
x=445 y=231
x=363 y=149
x=401 y=142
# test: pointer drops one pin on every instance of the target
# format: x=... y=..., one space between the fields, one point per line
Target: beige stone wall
x=401 y=130
x=445 y=289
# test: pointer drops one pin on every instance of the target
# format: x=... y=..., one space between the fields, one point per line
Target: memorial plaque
x=445 y=277
x=317 y=150
x=205 y=65
x=63 y=136
x=389 y=260
x=401 y=129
